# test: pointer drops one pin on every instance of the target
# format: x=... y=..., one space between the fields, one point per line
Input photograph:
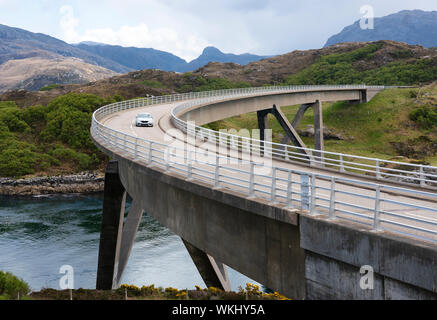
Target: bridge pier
x=318 y=125
x=116 y=237
x=285 y=124
x=213 y=273
x=290 y=129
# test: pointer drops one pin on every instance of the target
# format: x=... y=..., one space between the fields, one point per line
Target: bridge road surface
x=124 y=121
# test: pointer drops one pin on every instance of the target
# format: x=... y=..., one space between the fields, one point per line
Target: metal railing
x=383 y=170
x=379 y=207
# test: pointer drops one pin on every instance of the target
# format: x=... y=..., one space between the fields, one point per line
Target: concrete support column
x=364 y=96
x=296 y=121
x=213 y=273
x=318 y=128
x=263 y=125
x=288 y=128
x=112 y=223
x=130 y=229
x=116 y=237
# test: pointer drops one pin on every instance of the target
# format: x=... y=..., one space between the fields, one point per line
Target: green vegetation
x=199 y=83
x=53 y=138
x=11 y=287
x=131 y=292
x=425 y=116
x=397 y=122
x=350 y=68
x=50 y=87
x=153 y=83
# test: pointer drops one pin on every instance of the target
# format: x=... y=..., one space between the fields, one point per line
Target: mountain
x=379 y=63
x=17 y=43
x=411 y=27
x=212 y=54
x=135 y=58
x=147 y=58
x=48 y=60
x=36 y=72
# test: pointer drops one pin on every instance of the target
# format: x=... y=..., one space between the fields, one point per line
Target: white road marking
x=132 y=128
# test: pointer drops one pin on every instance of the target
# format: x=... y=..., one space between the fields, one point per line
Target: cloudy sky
x=185 y=27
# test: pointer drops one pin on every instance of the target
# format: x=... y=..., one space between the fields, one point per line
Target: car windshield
x=144 y=115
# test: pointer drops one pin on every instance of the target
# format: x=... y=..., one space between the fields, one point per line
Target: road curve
x=404 y=210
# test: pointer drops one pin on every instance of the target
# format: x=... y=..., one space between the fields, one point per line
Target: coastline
x=86 y=182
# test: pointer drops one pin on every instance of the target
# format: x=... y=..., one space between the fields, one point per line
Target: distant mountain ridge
x=17 y=43
x=212 y=54
x=148 y=58
x=135 y=58
x=23 y=50
x=414 y=27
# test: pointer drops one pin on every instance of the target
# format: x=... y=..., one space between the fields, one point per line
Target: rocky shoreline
x=87 y=182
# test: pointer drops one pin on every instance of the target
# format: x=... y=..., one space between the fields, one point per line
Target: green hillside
x=50 y=139
x=369 y=65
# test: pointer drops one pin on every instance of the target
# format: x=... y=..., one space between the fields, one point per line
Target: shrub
x=69 y=119
x=11 y=286
x=171 y=292
x=34 y=114
x=27 y=135
x=425 y=117
x=82 y=160
x=149 y=290
x=200 y=83
x=12 y=118
x=50 y=87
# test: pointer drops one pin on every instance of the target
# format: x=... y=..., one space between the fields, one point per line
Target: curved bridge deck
x=254 y=176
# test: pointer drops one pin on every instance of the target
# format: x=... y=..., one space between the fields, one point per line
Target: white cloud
x=142 y=36
x=68 y=23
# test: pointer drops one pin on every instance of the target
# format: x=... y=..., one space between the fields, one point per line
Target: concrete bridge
x=308 y=223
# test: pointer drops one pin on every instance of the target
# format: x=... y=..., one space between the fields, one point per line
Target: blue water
x=38 y=235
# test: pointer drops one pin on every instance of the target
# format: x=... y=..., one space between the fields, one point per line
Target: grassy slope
x=372 y=127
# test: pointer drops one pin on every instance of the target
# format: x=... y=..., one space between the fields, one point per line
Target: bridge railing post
x=312 y=164
x=273 y=190
x=422 y=177
x=136 y=149
x=304 y=191
x=124 y=142
x=167 y=156
x=378 y=170
x=286 y=153
x=190 y=165
x=313 y=194
x=377 y=216
x=150 y=152
x=289 y=203
x=217 y=172
x=332 y=200
x=252 y=180
x=341 y=163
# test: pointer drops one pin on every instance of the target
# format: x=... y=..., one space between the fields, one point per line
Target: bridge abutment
x=347 y=262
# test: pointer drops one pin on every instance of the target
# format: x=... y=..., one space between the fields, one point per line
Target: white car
x=144 y=120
